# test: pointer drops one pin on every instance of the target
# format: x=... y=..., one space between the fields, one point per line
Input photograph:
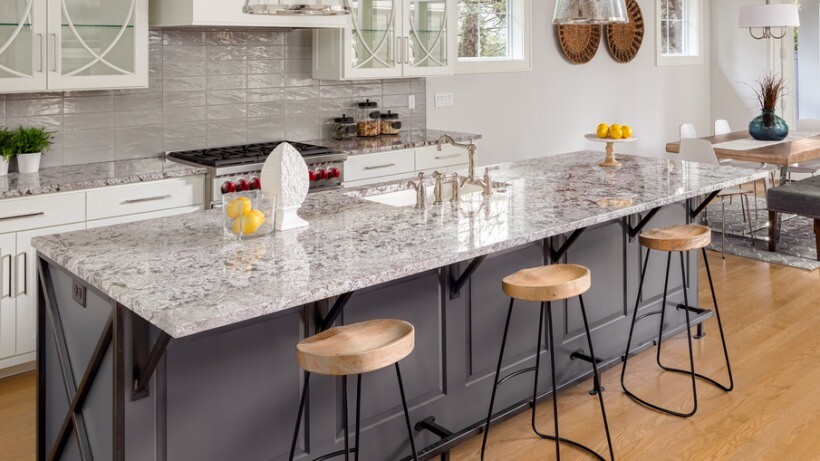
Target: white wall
x=809 y=59
x=547 y=111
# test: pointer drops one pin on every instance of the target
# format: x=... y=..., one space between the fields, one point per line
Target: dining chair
x=701 y=151
x=722 y=127
x=812 y=166
x=688 y=131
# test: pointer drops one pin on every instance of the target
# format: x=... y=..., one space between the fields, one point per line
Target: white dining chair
x=688 y=131
x=812 y=166
x=701 y=151
x=722 y=127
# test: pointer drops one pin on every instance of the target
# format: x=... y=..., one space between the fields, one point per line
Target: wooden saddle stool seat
x=677 y=238
x=547 y=283
x=356 y=349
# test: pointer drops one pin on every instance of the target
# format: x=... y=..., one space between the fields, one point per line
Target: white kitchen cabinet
x=362 y=170
x=389 y=38
x=133 y=199
x=56 y=45
x=224 y=13
x=8 y=313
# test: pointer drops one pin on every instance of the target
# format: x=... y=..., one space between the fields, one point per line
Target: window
x=680 y=32
x=494 y=36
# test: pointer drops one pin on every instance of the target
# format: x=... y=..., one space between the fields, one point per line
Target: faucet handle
x=421 y=176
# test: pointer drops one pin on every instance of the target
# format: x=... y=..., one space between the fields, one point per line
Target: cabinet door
x=375 y=39
x=97 y=44
x=8 y=326
x=22 y=45
x=25 y=285
x=430 y=37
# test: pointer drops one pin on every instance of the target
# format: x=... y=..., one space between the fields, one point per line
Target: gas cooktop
x=242 y=155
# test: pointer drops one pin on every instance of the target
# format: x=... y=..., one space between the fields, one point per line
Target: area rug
x=796 y=248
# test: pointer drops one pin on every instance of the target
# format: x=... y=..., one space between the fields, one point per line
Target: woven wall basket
x=624 y=40
x=578 y=42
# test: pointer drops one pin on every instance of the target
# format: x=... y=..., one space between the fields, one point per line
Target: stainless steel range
x=236 y=168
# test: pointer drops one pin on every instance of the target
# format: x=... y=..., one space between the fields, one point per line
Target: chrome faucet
x=421 y=192
x=437 y=188
x=471 y=150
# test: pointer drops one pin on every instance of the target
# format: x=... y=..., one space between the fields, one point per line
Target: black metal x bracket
x=334 y=312
x=145 y=360
x=456 y=284
x=634 y=231
x=694 y=213
x=557 y=255
x=430 y=425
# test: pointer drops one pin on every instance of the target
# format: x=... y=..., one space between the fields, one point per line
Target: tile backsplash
x=207 y=88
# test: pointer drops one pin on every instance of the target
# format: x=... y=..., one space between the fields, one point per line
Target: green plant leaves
x=24 y=140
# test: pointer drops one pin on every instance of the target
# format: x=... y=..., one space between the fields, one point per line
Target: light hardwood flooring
x=772 y=319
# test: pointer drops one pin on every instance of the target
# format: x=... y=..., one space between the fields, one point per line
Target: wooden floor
x=772 y=318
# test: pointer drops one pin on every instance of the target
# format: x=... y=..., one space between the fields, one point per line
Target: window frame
x=694 y=16
x=521 y=43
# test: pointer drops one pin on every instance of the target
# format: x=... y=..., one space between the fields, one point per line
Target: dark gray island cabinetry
x=160 y=340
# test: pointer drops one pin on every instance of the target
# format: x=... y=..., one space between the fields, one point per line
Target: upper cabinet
x=62 y=45
x=389 y=38
x=225 y=13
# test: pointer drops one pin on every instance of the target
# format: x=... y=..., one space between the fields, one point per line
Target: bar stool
x=681 y=239
x=353 y=350
x=546 y=284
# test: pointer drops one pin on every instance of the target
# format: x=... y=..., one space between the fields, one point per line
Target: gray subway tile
x=227 y=112
x=265 y=81
x=227 y=140
x=136 y=134
x=396 y=88
x=34 y=107
x=138 y=117
x=226 y=37
x=184 y=53
x=183 y=99
x=216 y=127
x=302 y=107
x=266 y=52
x=266 y=66
x=266 y=109
x=265 y=37
x=183 y=130
x=183 y=68
x=138 y=101
x=140 y=150
x=198 y=142
x=184 y=114
x=88 y=138
x=91 y=154
x=176 y=37
x=227 y=68
x=227 y=97
x=302 y=93
x=90 y=121
x=183 y=83
x=226 y=82
x=266 y=94
x=218 y=53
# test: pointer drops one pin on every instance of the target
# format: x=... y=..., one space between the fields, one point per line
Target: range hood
x=286 y=14
x=296 y=7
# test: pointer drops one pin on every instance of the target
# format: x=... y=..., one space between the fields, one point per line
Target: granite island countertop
x=92 y=175
x=409 y=139
x=180 y=274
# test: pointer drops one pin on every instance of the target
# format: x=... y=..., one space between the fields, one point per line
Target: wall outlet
x=78 y=293
x=444 y=99
x=411 y=102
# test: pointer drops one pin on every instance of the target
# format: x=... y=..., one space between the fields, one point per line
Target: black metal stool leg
x=537 y=367
x=406 y=413
x=554 y=382
x=720 y=327
x=663 y=308
x=689 y=339
x=497 y=376
x=597 y=378
x=345 y=418
x=634 y=321
x=358 y=414
x=305 y=389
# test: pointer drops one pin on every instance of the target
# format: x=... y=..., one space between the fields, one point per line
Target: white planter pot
x=29 y=163
x=4 y=167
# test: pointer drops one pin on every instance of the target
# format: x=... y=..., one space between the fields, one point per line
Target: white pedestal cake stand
x=610 y=161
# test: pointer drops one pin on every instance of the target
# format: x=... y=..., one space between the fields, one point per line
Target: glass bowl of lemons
x=248 y=214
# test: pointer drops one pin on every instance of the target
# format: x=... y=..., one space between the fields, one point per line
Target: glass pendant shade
x=318 y=7
x=590 y=12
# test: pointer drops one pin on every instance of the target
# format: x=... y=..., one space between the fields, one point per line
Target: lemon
x=626 y=131
x=251 y=221
x=602 y=131
x=616 y=132
x=238 y=206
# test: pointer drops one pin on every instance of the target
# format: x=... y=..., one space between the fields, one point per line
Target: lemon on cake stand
x=610 y=161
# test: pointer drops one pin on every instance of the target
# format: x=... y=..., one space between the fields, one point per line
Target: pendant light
x=768 y=17
x=590 y=12
x=293 y=7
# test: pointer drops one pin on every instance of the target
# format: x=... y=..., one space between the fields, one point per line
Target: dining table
x=739 y=145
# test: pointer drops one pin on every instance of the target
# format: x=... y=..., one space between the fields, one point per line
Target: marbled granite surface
x=181 y=275
x=406 y=140
x=89 y=176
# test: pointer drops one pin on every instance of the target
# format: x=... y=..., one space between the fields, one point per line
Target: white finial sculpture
x=285 y=175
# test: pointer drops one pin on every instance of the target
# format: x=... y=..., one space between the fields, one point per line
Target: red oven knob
x=335 y=173
x=228 y=187
x=256 y=183
x=243 y=185
x=323 y=174
x=312 y=175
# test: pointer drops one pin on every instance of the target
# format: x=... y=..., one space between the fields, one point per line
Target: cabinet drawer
x=41 y=211
x=379 y=165
x=143 y=216
x=429 y=158
x=145 y=197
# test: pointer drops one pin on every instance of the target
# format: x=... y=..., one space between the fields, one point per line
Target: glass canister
x=369 y=119
x=391 y=123
x=344 y=127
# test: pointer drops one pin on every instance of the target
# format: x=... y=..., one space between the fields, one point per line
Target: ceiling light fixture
x=769 y=17
x=293 y=7
x=590 y=12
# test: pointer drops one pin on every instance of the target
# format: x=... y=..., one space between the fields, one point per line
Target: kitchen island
x=160 y=340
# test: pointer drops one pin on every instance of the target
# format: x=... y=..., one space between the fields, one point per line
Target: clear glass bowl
x=248 y=214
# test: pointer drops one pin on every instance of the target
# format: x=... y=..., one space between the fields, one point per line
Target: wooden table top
x=783 y=154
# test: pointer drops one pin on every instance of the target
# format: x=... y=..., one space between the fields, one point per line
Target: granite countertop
x=182 y=276
x=406 y=140
x=89 y=176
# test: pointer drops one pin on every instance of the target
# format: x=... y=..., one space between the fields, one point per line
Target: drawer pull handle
x=379 y=167
x=22 y=216
x=17 y=292
x=445 y=157
x=146 y=199
x=11 y=271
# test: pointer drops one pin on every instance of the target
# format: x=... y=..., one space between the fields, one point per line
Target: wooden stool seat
x=358 y=348
x=677 y=238
x=547 y=283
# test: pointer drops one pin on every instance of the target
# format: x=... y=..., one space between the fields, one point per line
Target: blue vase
x=768 y=127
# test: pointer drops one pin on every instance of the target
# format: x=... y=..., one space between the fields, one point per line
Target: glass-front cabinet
x=389 y=38
x=73 y=44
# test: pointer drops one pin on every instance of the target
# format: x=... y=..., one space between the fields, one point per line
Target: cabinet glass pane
x=428 y=33
x=97 y=37
x=16 y=19
x=374 y=36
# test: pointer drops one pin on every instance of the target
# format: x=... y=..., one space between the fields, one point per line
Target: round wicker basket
x=624 y=40
x=578 y=42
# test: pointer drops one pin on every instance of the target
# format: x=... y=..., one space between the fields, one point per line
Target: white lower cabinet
x=363 y=170
x=8 y=306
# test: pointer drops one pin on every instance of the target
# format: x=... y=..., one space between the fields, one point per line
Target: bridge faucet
x=471 y=150
x=421 y=192
x=437 y=188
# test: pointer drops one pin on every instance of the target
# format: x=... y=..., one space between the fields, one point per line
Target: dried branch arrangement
x=770 y=89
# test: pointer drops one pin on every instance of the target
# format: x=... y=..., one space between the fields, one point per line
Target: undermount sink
x=407 y=197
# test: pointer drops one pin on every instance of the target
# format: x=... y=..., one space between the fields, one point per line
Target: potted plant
x=768 y=126
x=29 y=144
x=6 y=151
